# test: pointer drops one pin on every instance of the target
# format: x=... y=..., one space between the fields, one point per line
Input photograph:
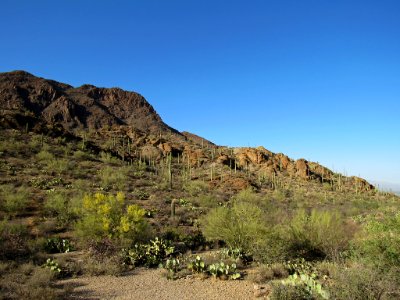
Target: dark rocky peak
x=85 y=107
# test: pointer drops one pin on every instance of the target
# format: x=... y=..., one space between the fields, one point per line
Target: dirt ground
x=151 y=284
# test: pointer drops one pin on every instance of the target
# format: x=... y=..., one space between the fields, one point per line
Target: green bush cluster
x=63 y=207
x=114 y=178
x=379 y=242
x=363 y=282
x=240 y=226
x=254 y=228
x=13 y=200
x=320 y=233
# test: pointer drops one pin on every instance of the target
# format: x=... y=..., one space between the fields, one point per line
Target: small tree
x=321 y=233
x=107 y=216
x=240 y=226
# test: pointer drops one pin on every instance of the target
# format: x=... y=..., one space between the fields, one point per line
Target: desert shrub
x=30 y=282
x=61 y=206
x=81 y=155
x=195 y=187
x=281 y=194
x=208 y=201
x=58 y=166
x=107 y=216
x=44 y=156
x=13 y=240
x=13 y=200
x=114 y=178
x=106 y=157
x=111 y=265
x=320 y=234
x=363 y=283
x=273 y=246
x=15 y=147
x=239 y=226
x=194 y=241
x=35 y=143
x=142 y=195
x=55 y=203
x=379 y=242
x=264 y=273
x=248 y=195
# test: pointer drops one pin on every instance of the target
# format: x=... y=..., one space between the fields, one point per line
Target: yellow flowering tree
x=108 y=216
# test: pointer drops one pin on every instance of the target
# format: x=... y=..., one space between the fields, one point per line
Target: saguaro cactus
x=173 y=204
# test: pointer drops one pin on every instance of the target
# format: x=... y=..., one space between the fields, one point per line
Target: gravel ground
x=151 y=284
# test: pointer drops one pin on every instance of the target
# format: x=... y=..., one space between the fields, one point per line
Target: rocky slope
x=85 y=107
x=35 y=103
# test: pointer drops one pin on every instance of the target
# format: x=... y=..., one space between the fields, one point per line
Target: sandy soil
x=151 y=284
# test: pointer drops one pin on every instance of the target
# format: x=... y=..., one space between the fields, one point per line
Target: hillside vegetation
x=82 y=197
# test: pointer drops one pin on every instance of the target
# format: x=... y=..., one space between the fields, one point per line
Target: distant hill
x=33 y=103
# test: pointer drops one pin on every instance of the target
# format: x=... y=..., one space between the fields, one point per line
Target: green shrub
x=81 y=155
x=106 y=157
x=264 y=273
x=61 y=206
x=196 y=187
x=320 y=234
x=240 y=226
x=58 y=166
x=107 y=216
x=248 y=195
x=112 y=178
x=363 y=283
x=379 y=242
x=208 y=201
x=44 y=156
x=13 y=200
x=273 y=246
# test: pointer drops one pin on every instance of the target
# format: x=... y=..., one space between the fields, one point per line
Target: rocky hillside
x=85 y=107
x=111 y=114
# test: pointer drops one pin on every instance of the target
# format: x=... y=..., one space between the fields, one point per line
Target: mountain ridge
x=34 y=102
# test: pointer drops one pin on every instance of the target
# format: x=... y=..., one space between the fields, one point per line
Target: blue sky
x=314 y=79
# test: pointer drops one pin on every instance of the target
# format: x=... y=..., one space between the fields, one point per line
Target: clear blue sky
x=315 y=79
